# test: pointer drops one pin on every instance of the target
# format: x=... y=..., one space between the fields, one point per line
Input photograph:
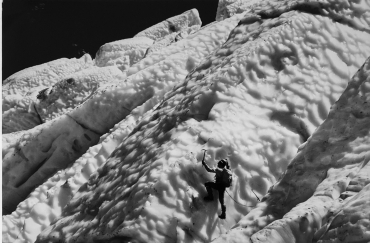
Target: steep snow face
x=234 y=105
x=254 y=101
x=331 y=165
x=26 y=222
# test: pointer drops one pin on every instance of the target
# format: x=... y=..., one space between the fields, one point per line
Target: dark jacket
x=219 y=172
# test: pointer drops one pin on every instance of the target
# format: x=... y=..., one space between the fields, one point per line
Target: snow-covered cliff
x=266 y=80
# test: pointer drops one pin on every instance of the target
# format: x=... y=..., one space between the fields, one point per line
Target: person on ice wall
x=223 y=179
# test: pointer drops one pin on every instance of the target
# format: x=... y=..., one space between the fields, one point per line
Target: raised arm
x=208 y=168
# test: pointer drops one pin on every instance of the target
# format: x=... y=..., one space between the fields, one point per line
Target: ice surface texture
x=22 y=88
x=254 y=100
x=353 y=13
x=20 y=113
x=39 y=152
x=327 y=166
x=178 y=59
x=150 y=189
x=175 y=24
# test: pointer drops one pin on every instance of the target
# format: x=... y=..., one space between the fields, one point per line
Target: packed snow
x=251 y=88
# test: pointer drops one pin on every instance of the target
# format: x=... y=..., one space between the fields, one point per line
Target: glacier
x=109 y=149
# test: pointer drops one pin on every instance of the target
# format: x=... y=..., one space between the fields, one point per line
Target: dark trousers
x=220 y=188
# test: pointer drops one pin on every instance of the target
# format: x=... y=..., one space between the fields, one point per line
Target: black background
x=35 y=32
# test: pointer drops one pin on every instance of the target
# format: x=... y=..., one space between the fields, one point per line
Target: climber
x=223 y=179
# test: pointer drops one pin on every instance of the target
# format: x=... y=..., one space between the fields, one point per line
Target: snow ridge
x=251 y=88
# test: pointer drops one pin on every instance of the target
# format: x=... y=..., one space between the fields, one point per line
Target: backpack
x=227 y=178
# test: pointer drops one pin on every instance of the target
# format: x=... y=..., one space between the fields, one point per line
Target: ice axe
x=204 y=155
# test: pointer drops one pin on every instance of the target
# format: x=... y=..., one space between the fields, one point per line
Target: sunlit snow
x=252 y=87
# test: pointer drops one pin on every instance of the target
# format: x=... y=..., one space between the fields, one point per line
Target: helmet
x=223 y=163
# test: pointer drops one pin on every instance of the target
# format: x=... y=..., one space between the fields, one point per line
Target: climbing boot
x=223 y=213
x=209 y=197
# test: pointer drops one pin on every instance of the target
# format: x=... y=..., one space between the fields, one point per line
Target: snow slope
x=169 y=65
x=324 y=171
x=150 y=188
x=254 y=100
